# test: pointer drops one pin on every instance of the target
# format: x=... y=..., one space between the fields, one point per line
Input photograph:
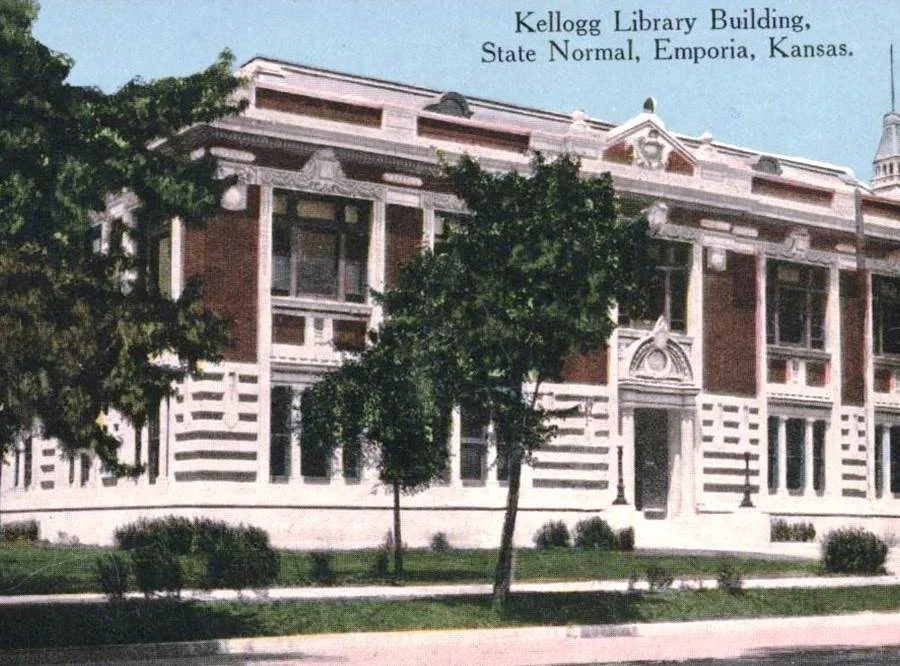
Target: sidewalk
x=431 y=591
x=506 y=647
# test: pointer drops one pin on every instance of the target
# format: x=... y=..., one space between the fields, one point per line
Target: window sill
x=319 y=306
x=790 y=352
x=891 y=361
x=317 y=480
x=473 y=483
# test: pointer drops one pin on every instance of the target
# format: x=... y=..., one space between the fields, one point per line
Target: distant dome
x=889 y=146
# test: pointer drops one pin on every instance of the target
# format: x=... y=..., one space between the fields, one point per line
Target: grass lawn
x=164 y=620
x=36 y=569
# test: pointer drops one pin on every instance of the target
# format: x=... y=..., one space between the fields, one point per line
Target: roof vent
x=768 y=164
x=451 y=104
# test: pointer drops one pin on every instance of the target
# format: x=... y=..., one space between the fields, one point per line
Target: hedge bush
x=241 y=557
x=235 y=557
x=554 y=534
x=157 y=569
x=625 y=539
x=440 y=543
x=19 y=530
x=854 y=551
x=594 y=533
x=113 y=571
x=781 y=530
x=321 y=567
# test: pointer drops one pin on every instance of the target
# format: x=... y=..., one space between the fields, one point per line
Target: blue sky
x=828 y=108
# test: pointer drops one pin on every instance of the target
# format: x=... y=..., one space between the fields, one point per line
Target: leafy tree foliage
x=524 y=280
x=80 y=330
x=389 y=404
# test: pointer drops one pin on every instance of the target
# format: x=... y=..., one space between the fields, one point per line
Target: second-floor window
x=886 y=314
x=795 y=305
x=320 y=246
x=668 y=287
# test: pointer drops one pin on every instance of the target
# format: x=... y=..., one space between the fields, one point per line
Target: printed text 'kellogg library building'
x=771 y=377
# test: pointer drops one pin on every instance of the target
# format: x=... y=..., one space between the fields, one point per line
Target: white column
x=428 y=227
x=762 y=368
x=886 y=460
x=264 y=335
x=869 y=392
x=177 y=236
x=831 y=453
x=782 y=456
x=831 y=463
x=833 y=338
x=337 y=466
x=688 y=464
x=375 y=268
x=295 y=434
x=627 y=441
x=808 y=457
x=675 y=461
x=695 y=308
x=455 y=435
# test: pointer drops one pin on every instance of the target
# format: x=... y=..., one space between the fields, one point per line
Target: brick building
x=770 y=371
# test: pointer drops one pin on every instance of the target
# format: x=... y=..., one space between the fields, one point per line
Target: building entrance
x=651 y=461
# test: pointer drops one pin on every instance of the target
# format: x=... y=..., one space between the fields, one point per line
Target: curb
x=298 y=646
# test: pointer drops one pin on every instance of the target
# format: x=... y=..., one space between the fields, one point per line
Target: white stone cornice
x=440 y=201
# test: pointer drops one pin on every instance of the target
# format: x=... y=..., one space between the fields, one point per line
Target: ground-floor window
x=280 y=425
x=153 y=437
x=473 y=445
x=797 y=468
x=795 y=432
x=887 y=436
x=85 y=469
x=351 y=461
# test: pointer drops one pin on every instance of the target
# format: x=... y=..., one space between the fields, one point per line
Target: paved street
x=845 y=639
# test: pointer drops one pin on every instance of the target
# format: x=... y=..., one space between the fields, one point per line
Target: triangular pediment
x=645 y=142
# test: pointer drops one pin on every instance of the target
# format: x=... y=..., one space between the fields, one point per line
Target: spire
x=887 y=157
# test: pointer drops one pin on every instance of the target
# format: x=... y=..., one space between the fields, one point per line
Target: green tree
x=389 y=406
x=527 y=278
x=81 y=331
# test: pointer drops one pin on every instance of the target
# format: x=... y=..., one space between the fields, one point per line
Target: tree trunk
x=398 y=540
x=503 y=573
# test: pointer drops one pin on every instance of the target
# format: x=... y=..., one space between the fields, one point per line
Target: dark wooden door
x=651 y=459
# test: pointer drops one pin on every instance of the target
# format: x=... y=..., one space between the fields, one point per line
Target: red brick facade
x=729 y=327
x=225 y=255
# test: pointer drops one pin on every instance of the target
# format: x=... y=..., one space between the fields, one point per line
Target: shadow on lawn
x=576 y=608
x=133 y=621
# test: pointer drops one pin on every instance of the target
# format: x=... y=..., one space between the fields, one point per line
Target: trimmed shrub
x=730 y=580
x=20 y=530
x=381 y=565
x=854 y=551
x=238 y=557
x=440 y=543
x=157 y=569
x=659 y=578
x=625 y=539
x=554 y=534
x=234 y=557
x=321 y=569
x=113 y=571
x=175 y=533
x=594 y=533
x=781 y=530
